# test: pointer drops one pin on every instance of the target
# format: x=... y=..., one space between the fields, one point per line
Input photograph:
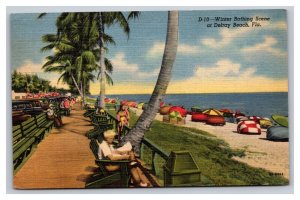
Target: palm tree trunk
x=83 y=92
x=102 y=64
x=81 y=88
x=76 y=85
x=136 y=134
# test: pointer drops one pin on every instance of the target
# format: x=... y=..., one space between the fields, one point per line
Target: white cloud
x=29 y=67
x=224 y=76
x=122 y=66
x=229 y=34
x=266 y=46
x=222 y=68
x=158 y=49
x=188 y=49
x=227 y=76
x=278 y=25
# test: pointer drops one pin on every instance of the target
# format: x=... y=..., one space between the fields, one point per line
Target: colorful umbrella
x=195 y=109
x=225 y=110
x=175 y=115
x=140 y=105
x=180 y=109
x=281 y=120
x=212 y=111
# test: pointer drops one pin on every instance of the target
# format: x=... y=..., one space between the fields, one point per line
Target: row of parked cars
x=26 y=108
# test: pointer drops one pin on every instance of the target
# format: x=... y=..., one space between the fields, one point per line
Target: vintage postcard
x=147 y=99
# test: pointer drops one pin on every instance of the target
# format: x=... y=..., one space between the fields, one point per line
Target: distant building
x=16 y=96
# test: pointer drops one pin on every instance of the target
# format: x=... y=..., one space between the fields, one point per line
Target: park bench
x=104 y=178
x=89 y=112
x=27 y=135
x=101 y=123
x=43 y=122
x=31 y=129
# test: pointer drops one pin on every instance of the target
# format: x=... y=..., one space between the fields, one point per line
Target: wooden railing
x=155 y=150
x=156 y=159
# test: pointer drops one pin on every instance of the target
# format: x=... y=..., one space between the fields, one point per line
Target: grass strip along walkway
x=213 y=156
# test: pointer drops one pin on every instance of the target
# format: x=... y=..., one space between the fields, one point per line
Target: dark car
x=31 y=106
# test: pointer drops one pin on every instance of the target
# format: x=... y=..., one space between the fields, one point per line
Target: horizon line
x=202 y=93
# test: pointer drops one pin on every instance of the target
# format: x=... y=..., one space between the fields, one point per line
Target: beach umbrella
x=238 y=113
x=254 y=118
x=140 y=105
x=212 y=111
x=124 y=102
x=199 y=117
x=265 y=123
x=278 y=133
x=225 y=110
x=195 y=109
x=132 y=104
x=281 y=120
x=164 y=110
x=216 y=120
x=175 y=115
x=180 y=109
x=249 y=127
x=161 y=104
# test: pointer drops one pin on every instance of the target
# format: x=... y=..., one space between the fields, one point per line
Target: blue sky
x=208 y=59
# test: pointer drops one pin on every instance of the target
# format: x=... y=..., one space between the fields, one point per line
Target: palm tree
x=136 y=134
x=76 y=50
x=74 y=65
x=28 y=83
x=17 y=81
x=107 y=19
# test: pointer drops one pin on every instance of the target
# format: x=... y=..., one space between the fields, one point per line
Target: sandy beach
x=261 y=153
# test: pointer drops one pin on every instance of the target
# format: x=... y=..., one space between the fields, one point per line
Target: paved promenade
x=62 y=160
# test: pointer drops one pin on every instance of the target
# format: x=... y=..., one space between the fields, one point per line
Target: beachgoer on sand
x=107 y=151
x=123 y=118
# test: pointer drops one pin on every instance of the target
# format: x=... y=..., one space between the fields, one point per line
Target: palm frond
x=108 y=65
x=133 y=15
x=88 y=57
x=109 y=80
x=108 y=39
x=122 y=21
x=49 y=38
x=41 y=15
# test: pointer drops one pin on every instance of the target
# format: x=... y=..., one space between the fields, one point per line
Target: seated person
x=106 y=150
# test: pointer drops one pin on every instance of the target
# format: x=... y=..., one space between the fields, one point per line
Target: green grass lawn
x=90 y=100
x=213 y=156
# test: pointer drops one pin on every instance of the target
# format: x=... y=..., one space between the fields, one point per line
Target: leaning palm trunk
x=76 y=85
x=102 y=65
x=136 y=134
x=82 y=96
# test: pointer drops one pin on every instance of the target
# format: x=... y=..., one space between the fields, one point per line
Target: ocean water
x=258 y=104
